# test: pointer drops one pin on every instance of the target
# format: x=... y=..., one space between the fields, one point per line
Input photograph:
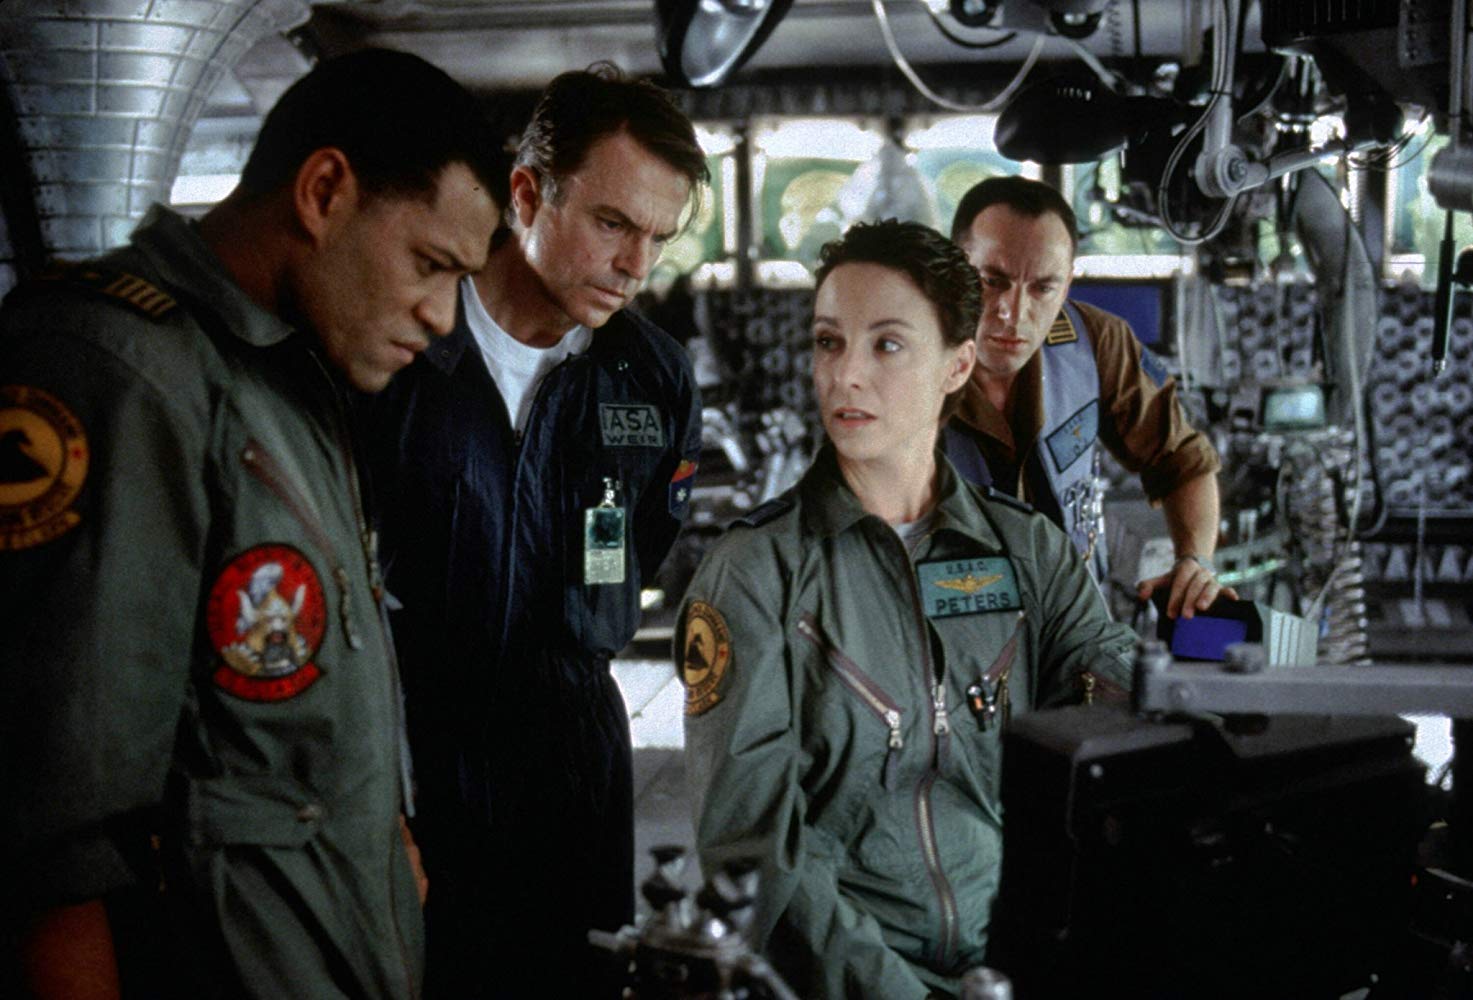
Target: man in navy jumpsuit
x=534 y=470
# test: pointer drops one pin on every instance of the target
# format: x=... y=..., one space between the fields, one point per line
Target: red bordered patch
x=43 y=464
x=266 y=617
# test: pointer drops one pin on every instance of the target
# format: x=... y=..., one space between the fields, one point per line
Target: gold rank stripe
x=1062 y=332
x=143 y=296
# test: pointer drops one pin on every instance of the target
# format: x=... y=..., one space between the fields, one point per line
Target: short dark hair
x=1021 y=194
x=936 y=265
x=399 y=120
x=583 y=106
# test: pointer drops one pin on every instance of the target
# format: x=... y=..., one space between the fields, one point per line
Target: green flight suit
x=828 y=728
x=195 y=648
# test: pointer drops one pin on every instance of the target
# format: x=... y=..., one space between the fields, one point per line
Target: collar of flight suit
x=831 y=508
x=446 y=352
x=173 y=245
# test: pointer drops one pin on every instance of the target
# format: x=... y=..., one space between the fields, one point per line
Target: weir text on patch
x=636 y=424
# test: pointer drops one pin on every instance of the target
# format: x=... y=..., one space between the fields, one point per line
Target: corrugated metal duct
x=100 y=98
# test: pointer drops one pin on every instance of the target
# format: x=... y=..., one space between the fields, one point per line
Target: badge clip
x=603 y=538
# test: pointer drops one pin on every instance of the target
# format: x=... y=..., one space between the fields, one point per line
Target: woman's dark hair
x=581 y=107
x=399 y=120
x=934 y=264
x=1025 y=196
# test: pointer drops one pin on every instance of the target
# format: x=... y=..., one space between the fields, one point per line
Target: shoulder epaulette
x=764 y=512
x=1062 y=332
x=993 y=493
x=141 y=295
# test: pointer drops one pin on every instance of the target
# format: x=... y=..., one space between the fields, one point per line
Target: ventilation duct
x=102 y=96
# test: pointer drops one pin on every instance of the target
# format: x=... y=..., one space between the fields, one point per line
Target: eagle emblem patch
x=951 y=587
x=266 y=617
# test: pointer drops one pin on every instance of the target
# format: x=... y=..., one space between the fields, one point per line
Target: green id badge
x=603 y=540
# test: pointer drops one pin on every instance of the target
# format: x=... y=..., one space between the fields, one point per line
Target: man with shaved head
x=1056 y=379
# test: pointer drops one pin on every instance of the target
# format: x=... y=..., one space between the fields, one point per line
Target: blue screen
x=1141 y=304
x=1205 y=637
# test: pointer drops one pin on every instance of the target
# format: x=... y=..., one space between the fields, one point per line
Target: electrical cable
x=905 y=67
x=1272 y=89
x=1221 y=67
x=1111 y=81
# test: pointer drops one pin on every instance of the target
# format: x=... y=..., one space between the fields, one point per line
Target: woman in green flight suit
x=852 y=649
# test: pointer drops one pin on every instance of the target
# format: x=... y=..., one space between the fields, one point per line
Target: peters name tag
x=635 y=424
x=951 y=587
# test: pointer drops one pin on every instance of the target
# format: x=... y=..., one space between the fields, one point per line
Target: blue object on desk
x=1206 y=637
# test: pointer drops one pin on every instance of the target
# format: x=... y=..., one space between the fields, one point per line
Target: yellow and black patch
x=130 y=289
x=43 y=464
x=1062 y=332
x=706 y=656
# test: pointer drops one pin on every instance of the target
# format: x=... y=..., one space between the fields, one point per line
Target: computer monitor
x=1144 y=303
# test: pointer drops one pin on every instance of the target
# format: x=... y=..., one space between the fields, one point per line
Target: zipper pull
x=892 y=755
x=345 y=613
x=983 y=704
x=938 y=704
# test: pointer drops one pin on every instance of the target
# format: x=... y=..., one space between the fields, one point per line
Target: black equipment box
x=1178 y=859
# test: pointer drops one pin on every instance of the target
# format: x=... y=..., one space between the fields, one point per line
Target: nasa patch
x=631 y=425
x=266 y=617
x=43 y=464
x=705 y=657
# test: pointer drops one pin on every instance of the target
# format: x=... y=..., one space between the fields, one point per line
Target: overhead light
x=1063 y=120
x=702 y=42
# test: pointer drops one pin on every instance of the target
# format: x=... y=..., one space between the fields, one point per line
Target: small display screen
x=1205 y=637
x=1298 y=407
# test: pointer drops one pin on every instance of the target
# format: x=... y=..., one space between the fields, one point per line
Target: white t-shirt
x=913 y=533
x=516 y=368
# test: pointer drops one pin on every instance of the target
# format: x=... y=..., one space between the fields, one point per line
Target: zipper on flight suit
x=518 y=439
x=854 y=678
x=994 y=704
x=368 y=542
x=940 y=734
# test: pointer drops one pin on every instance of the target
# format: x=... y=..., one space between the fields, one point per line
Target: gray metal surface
x=1380 y=689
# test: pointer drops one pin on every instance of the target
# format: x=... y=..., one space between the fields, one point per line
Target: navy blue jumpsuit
x=520 y=735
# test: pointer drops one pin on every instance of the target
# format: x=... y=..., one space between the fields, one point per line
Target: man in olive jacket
x=202 y=712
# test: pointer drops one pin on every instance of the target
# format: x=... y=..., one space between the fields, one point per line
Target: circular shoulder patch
x=266 y=616
x=707 y=654
x=43 y=463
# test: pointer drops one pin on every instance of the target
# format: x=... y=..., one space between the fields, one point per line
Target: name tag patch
x=633 y=424
x=1073 y=439
x=951 y=587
